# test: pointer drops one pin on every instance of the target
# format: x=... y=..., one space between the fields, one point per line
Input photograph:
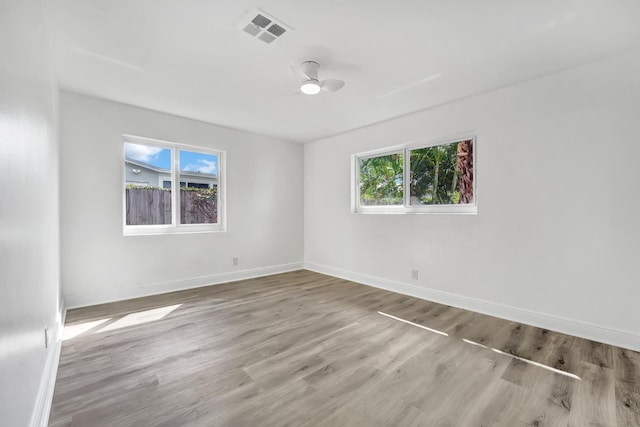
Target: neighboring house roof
x=167 y=171
x=145 y=165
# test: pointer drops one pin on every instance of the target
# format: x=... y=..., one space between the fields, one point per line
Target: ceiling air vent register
x=263 y=26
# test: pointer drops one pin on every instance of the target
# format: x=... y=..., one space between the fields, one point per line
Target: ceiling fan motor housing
x=310 y=69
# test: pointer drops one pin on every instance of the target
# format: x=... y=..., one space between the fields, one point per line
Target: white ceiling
x=190 y=58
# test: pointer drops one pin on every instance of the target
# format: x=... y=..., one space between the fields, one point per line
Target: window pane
x=381 y=180
x=147 y=184
x=442 y=174
x=198 y=188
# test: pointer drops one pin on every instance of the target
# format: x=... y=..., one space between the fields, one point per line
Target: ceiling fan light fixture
x=310 y=87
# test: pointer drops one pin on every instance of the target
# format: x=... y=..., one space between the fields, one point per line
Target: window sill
x=440 y=210
x=151 y=230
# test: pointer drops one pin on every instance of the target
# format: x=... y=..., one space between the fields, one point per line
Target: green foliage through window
x=381 y=180
x=438 y=175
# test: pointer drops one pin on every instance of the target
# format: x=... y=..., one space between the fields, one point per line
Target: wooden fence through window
x=149 y=206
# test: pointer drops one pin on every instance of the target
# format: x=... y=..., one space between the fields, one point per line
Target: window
x=381 y=180
x=417 y=178
x=171 y=188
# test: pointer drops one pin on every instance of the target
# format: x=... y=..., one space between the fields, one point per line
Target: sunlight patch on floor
x=132 y=319
x=477 y=344
x=435 y=331
x=513 y=356
x=72 y=331
x=540 y=365
x=140 y=317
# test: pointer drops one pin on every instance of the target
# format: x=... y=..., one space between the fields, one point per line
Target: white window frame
x=175 y=227
x=406 y=207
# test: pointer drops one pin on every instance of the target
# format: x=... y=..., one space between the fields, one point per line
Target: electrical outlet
x=46 y=337
x=235 y=261
x=414 y=274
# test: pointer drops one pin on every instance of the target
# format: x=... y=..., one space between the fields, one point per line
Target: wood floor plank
x=446 y=400
x=594 y=401
x=552 y=391
x=501 y=405
x=627 y=371
x=597 y=353
x=305 y=349
x=543 y=373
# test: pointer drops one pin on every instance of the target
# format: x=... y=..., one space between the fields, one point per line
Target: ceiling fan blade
x=298 y=72
x=331 y=85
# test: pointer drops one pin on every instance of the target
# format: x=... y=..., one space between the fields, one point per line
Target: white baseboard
x=44 y=400
x=84 y=300
x=567 y=326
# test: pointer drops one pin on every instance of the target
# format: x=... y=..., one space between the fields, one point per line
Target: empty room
x=338 y=213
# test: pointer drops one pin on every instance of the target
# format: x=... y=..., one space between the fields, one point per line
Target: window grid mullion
x=175 y=197
x=405 y=176
x=357 y=169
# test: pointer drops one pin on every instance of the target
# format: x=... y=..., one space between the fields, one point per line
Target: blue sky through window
x=190 y=161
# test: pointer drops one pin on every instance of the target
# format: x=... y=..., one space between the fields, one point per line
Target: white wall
x=555 y=241
x=29 y=245
x=264 y=206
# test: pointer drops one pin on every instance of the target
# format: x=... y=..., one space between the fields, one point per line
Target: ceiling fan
x=311 y=84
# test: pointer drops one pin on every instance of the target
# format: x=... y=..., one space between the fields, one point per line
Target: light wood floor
x=304 y=349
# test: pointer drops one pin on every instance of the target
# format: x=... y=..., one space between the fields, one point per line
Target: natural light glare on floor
x=131 y=319
x=531 y=362
x=72 y=331
x=540 y=365
x=140 y=317
x=474 y=343
x=435 y=331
